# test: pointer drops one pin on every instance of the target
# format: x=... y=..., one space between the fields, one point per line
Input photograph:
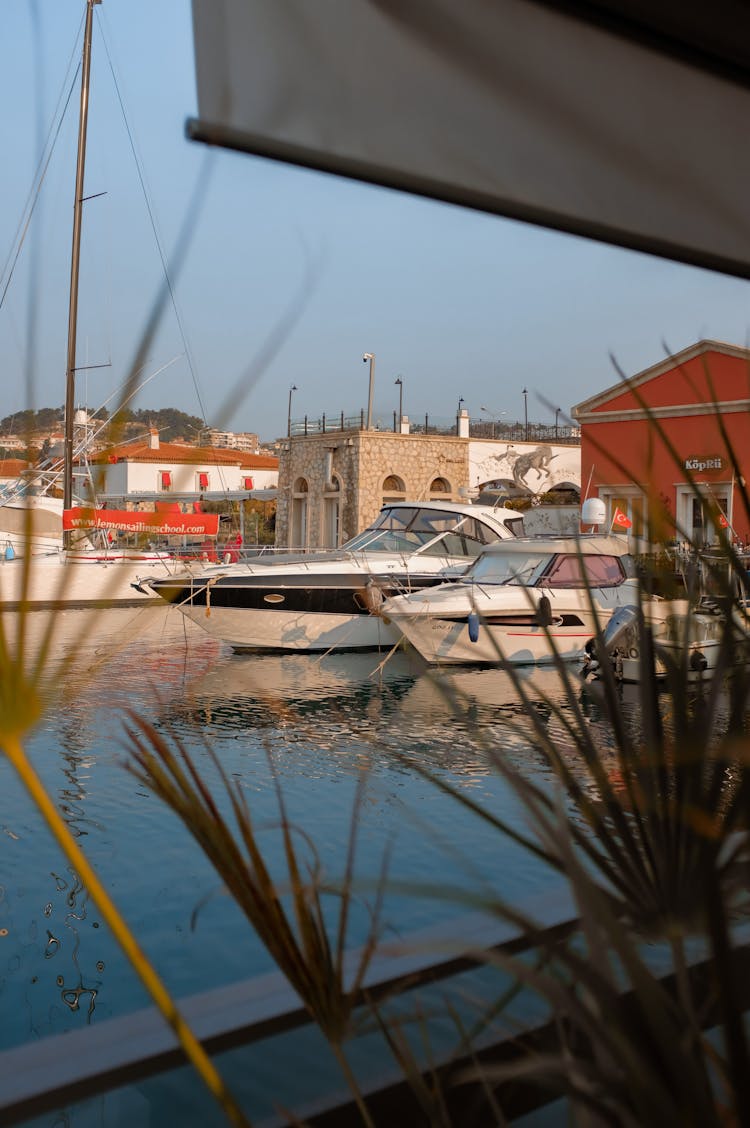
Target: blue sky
x=456 y=303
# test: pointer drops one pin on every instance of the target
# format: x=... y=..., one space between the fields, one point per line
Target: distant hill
x=32 y=422
x=169 y=422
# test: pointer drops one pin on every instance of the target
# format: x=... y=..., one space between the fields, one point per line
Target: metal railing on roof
x=337 y=422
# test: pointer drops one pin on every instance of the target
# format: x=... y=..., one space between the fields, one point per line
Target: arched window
x=394 y=489
x=298 y=526
x=439 y=487
x=332 y=514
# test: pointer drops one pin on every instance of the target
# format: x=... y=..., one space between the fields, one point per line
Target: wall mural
x=535 y=469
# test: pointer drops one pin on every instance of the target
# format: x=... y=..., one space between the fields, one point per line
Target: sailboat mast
x=75 y=257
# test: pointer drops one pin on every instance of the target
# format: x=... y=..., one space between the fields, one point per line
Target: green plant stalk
x=297 y=940
x=193 y=1049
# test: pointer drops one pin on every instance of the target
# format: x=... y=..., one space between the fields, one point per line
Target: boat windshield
x=552 y=569
x=523 y=568
x=439 y=532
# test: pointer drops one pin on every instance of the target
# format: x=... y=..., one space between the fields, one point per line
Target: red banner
x=132 y=521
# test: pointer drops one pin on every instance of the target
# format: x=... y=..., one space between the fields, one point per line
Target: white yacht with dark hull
x=523 y=601
x=324 y=601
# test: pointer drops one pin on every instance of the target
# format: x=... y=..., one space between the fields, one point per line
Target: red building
x=659 y=443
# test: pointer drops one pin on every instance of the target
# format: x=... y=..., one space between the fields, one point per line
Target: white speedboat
x=29 y=523
x=681 y=632
x=521 y=601
x=72 y=579
x=323 y=601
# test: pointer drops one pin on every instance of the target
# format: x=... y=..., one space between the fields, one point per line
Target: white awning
x=511 y=106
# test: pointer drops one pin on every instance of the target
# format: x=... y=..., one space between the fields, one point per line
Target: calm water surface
x=321 y=722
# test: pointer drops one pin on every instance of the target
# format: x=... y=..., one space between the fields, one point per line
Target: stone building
x=332 y=485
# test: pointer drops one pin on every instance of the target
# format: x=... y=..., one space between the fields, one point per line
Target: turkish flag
x=621 y=520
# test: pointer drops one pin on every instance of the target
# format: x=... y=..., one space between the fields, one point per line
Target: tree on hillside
x=169 y=421
x=30 y=422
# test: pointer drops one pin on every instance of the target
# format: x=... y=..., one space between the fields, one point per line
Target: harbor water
x=320 y=726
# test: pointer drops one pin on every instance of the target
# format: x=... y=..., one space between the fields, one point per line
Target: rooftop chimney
x=153 y=438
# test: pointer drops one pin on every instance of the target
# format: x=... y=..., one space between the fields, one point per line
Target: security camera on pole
x=371 y=358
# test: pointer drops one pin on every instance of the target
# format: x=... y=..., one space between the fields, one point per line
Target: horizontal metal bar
x=42 y=1076
x=392 y=1100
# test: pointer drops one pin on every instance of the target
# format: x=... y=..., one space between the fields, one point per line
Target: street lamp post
x=494 y=416
x=525 y=395
x=371 y=358
x=400 y=383
x=557 y=413
x=289 y=412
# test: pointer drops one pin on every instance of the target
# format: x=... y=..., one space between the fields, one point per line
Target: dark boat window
x=604 y=571
x=515 y=526
x=597 y=571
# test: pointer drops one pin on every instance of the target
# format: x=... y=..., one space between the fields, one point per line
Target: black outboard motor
x=620 y=636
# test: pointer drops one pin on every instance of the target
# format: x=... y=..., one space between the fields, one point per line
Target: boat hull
x=56 y=582
x=294 y=612
x=448 y=642
x=291 y=630
x=466 y=624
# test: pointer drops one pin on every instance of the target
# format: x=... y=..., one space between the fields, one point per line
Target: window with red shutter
x=248 y=483
x=203 y=480
x=166 y=480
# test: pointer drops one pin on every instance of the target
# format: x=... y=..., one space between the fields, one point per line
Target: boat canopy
x=528 y=564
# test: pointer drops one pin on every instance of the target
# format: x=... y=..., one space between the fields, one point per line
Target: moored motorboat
x=74 y=579
x=324 y=601
x=522 y=601
x=700 y=636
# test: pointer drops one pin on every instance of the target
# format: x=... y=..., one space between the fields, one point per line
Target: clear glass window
x=509 y=568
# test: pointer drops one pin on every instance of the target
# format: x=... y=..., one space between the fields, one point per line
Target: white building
x=151 y=470
x=246 y=441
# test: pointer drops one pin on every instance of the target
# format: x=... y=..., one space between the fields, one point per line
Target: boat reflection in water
x=355 y=706
x=116 y=650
